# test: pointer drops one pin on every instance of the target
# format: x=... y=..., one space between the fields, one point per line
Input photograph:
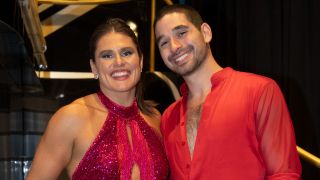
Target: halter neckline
x=127 y=113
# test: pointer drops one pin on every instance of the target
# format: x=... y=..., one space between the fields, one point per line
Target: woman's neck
x=122 y=98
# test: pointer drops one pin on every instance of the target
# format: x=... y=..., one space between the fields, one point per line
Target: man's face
x=182 y=46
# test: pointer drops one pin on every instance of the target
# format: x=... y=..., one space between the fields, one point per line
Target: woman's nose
x=119 y=60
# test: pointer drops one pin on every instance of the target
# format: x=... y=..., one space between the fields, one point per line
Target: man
x=228 y=124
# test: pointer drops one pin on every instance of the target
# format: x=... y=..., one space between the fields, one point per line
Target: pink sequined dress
x=110 y=156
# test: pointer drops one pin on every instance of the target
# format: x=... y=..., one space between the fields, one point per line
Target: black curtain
x=279 y=39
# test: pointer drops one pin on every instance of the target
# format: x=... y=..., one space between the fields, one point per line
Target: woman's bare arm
x=55 y=148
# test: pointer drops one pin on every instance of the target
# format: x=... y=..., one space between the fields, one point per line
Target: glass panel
x=31 y=143
x=36 y=121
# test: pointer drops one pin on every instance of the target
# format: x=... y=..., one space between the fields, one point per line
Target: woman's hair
x=120 y=26
x=112 y=25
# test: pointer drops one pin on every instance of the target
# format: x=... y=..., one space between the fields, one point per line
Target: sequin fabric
x=111 y=156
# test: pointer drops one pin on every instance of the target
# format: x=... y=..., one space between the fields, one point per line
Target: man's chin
x=184 y=72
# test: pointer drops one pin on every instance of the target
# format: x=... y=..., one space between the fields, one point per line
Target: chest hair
x=193 y=118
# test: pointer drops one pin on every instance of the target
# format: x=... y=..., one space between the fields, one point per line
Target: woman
x=112 y=134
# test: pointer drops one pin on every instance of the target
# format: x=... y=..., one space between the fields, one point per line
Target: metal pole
x=152 y=40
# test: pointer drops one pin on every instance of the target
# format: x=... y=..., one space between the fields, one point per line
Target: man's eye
x=180 y=34
x=163 y=43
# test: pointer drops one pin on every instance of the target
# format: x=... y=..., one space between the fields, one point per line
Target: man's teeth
x=119 y=74
x=181 y=57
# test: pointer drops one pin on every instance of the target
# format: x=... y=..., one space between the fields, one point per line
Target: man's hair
x=191 y=14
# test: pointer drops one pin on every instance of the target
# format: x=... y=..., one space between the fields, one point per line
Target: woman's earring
x=96 y=76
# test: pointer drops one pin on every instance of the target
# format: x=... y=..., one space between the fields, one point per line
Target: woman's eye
x=127 y=53
x=106 y=56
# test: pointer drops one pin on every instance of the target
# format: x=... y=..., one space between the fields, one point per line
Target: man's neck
x=199 y=82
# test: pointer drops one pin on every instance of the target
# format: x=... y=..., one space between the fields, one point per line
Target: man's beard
x=196 y=62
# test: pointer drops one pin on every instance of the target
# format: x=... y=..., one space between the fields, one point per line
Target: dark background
x=276 y=38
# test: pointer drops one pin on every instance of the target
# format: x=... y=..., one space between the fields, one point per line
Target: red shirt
x=244 y=133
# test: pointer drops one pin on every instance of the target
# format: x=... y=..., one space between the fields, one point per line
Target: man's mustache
x=179 y=51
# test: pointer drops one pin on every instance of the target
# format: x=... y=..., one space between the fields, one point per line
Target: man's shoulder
x=170 y=117
x=172 y=108
x=253 y=83
x=252 y=79
x=172 y=112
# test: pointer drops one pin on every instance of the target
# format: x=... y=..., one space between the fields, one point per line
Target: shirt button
x=188 y=166
x=182 y=124
x=183 y=143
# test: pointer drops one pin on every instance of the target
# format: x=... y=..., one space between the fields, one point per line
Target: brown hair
x=191 y=14
x=112 y=25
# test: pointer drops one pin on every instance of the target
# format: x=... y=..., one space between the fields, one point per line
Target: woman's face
x=117 y=63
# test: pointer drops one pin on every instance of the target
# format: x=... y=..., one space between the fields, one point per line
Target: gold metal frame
x=33 y=27
x=312 y=159
x=80 y=2
x=152 y=36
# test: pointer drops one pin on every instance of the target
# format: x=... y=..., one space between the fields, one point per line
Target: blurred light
x=133 y=26
x=60 y=96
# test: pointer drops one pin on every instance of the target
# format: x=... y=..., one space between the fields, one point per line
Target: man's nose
x=175 y=45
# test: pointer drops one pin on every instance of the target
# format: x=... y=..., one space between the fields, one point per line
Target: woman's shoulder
x=88 y=103
x=77 y=112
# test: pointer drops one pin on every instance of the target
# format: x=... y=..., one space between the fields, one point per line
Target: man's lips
x=181 y=58
x=180 y=55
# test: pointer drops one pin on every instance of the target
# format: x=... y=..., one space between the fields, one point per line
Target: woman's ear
x=206 y=32
x=141 y=63
x=93 y=67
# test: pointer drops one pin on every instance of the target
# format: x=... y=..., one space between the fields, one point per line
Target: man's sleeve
x=276 y=135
